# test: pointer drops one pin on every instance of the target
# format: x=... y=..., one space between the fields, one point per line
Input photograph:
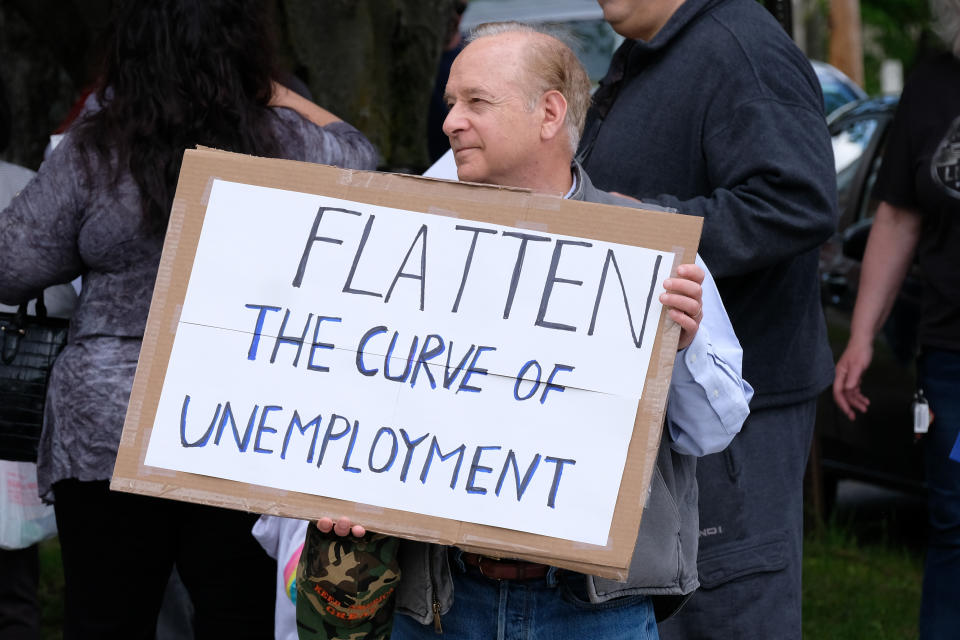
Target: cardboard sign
x=455 y=363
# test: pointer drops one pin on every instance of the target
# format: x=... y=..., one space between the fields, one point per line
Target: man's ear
x=554 y=114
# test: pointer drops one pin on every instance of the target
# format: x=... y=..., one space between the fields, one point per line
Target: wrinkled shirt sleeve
x=39 y=229
x=709 y=399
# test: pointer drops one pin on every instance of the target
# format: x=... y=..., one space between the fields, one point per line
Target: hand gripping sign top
x=462 y=364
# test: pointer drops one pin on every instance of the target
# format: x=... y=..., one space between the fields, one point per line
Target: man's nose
x=454 y=122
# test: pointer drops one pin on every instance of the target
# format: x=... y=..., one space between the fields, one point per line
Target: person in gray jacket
x=518 y=99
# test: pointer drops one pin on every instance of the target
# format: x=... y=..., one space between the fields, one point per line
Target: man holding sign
x=517 y=101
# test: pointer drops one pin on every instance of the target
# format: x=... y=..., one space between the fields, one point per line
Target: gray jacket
x=664 y=558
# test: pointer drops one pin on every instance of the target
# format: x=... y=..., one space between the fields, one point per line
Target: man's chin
x=467 y=173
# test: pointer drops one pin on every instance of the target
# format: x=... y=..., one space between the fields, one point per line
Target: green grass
x=854 y=590
x=851 y=590
x=51 y=590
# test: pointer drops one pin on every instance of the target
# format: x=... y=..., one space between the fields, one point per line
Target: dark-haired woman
x=179 y=73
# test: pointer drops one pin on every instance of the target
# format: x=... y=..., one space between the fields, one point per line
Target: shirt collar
x=573 y=187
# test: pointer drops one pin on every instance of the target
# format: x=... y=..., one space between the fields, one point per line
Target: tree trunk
x=846 y=38
x=373 y=63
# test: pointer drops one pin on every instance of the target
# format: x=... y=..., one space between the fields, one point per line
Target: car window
x=836 y=95
x=851 y=142
x=837 y=88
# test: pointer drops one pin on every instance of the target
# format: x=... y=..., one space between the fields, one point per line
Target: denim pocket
x=573 y=590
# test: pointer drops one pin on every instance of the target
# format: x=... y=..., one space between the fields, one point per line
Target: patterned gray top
x=63 y=225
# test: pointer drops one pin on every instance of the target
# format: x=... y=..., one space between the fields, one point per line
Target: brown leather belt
x=504 y=569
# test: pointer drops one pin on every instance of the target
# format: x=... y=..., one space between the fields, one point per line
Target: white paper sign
x=413 y=361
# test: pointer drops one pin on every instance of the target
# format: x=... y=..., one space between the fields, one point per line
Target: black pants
x=119 y=548
x=751 y=532
x=19 y=607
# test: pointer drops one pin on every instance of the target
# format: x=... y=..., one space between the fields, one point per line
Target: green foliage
x=51 y=590
x=893 y=29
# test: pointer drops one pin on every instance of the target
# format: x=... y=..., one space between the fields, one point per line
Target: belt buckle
x=480 y=561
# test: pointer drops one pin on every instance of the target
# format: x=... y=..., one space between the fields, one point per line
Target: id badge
x=921 y=413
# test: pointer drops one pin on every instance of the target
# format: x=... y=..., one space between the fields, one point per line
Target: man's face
x=638 y=19
x=493 y=134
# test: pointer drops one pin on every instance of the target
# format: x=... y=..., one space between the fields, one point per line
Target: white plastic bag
x=24 y=519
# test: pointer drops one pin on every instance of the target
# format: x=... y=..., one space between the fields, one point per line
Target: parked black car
x=879 y=446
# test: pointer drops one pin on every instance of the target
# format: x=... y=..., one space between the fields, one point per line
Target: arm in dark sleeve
x=39 y=229
x=775 y=194
x=896 y=179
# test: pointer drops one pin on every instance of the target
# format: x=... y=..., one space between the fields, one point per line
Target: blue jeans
x=549 y=608
x=939 y=610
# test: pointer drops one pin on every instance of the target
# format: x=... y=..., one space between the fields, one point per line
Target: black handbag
x=28 y=347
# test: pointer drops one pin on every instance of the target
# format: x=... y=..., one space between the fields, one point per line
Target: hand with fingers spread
x=342 y=527
x=684 y=297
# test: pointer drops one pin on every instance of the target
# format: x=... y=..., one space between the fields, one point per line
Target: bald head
x=547 y=64
x=509 y=121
